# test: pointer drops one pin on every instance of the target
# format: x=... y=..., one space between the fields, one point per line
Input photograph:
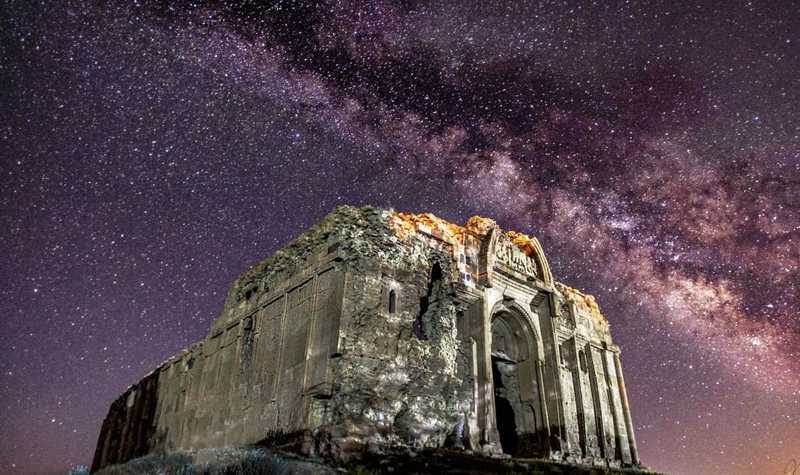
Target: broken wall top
x=585 y=304
x=479 y=249
x=346 y=230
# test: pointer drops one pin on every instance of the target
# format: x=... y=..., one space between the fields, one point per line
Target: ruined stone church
x=376 y=330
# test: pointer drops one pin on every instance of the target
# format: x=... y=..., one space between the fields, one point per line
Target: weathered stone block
x=379 y=330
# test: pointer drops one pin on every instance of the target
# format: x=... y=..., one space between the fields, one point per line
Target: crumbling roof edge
x=583 y=299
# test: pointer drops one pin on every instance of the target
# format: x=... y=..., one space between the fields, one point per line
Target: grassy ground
x=263 y=461
x=228 y=461
x=461 y=463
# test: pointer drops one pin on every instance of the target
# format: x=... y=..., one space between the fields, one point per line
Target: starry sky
x=150 y=152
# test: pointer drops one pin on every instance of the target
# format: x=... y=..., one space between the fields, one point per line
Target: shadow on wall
x=129 y=428
x=427 y=303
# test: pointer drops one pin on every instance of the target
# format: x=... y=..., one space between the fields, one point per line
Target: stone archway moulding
x=522 y=257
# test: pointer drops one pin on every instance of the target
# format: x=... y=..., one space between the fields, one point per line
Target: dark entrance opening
x=428 y=301
x=504 y=413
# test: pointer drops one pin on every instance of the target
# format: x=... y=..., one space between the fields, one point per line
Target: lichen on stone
x=585 y=302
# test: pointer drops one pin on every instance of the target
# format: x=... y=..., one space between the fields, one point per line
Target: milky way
x=151 y=153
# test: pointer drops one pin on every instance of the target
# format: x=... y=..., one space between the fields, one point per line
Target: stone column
x=542 y=402
x=470 y=325
x=554 y=363
x=491 y=439
x=279 y=364
x=577 y=386
x=594 y=384
x=612 y=404
x=626 y=411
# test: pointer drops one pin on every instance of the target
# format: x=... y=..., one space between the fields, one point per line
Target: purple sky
x=149 y=154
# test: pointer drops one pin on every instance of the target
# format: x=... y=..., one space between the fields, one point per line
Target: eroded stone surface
x=377 y=330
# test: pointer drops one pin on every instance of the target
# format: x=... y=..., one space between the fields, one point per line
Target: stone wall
x=266 y=358
x=403 y=378
x=376 y=331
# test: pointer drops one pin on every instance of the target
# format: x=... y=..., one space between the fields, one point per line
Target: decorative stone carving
x=510 y=256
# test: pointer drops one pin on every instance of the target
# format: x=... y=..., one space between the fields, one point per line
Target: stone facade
x=377 y=330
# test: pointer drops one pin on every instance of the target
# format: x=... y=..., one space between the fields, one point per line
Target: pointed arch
x=516 y=354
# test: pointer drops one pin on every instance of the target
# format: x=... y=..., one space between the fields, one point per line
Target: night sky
x=150 y=153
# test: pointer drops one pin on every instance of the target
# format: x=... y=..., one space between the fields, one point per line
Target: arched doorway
x=516 y=384
x=504 y=375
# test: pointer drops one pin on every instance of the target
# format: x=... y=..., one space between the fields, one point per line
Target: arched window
x=392 y=301
x=582 y=360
